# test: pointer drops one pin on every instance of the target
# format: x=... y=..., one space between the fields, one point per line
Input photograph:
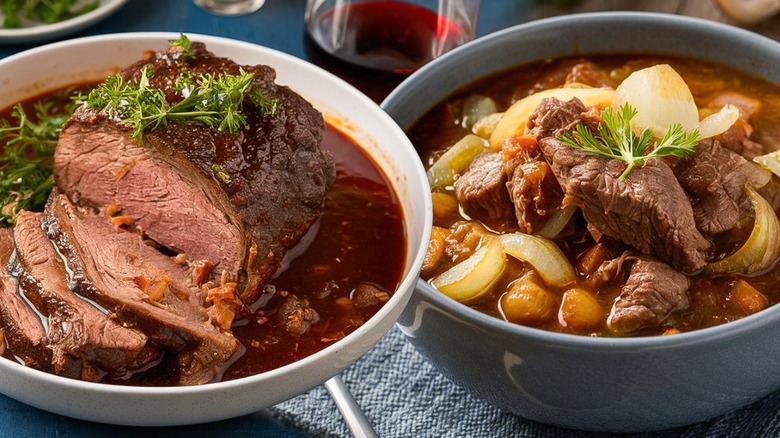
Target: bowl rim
x=707 y=335
x=403 y=290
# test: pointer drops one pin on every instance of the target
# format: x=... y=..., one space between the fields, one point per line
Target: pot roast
x=149 y=247
x=236 y=202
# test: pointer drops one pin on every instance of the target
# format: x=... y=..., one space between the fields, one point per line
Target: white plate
x=92 y=58
x=44 y=32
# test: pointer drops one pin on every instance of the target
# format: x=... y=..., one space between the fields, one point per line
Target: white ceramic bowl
x=94 y=58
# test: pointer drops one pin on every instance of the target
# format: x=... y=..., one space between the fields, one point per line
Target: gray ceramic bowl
x=627 y=384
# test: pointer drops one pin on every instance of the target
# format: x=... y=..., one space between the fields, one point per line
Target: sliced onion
x=486 y=125
x=455 y=160
x=661 y=98
x=557 y=221
x=475 y=108
x=472 y=277
x=771 y=161
x=762 y=248
x=719 y=122
x=544 y=255
x=516 y=117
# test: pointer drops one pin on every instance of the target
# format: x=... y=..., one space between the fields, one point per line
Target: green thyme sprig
x=615 y=139
x=184 y=43
x=214 y=101
x=26 y=163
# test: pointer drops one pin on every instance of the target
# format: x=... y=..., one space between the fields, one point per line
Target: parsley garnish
x=26 y=163
x=615 y=139
x=214 y=101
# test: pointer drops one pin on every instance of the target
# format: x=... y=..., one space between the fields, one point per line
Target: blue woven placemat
x=403 y=395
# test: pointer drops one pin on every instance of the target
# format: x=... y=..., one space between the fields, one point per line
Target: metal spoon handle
x=356 y=421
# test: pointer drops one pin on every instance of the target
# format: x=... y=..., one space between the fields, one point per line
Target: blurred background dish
x=230 y=7
x=33 y=31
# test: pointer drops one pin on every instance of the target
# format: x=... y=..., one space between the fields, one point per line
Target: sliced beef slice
x=23 y=329
x=481 y=190
x=649 y=210
x=652 y=291
x=236 y=201
x=77 y=329
x=117 y=269
x=532 y=186
x=716 y=178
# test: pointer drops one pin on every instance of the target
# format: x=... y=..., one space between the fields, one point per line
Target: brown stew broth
x=359 y=239
x=710 y=301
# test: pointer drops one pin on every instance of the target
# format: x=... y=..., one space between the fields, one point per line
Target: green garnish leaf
x=27 y=160
x=214 y=101
x=615 y=139
x=184 y=43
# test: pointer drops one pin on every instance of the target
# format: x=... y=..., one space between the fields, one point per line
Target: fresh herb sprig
x=46 y=11
x=214 y=101
x=26 y=163
x=184 y=43
x=615 y=139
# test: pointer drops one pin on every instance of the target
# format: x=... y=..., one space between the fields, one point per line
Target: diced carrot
x=592 y=258
x=747 y=299
x=121 y=221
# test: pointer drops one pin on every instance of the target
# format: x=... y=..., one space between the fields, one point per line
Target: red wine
x=375 y=84
x=383 y=35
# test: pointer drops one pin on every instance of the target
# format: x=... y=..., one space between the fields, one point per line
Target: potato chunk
x=527 y=302
x=580 y=310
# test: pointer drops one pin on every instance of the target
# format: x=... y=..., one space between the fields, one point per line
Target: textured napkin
x=403 y=395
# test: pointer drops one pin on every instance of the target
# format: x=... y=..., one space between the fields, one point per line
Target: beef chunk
x=117 y=270
x=649 y=210
x=235 y=201
x=554 y=117
x=652 y=291
x=296 y=315
x=716 y=178
x=22 y=328
x=463 y=240
x=737 y=139
x=532 y=186
x=590 y=74
x=481 y=190
x=77 y=330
